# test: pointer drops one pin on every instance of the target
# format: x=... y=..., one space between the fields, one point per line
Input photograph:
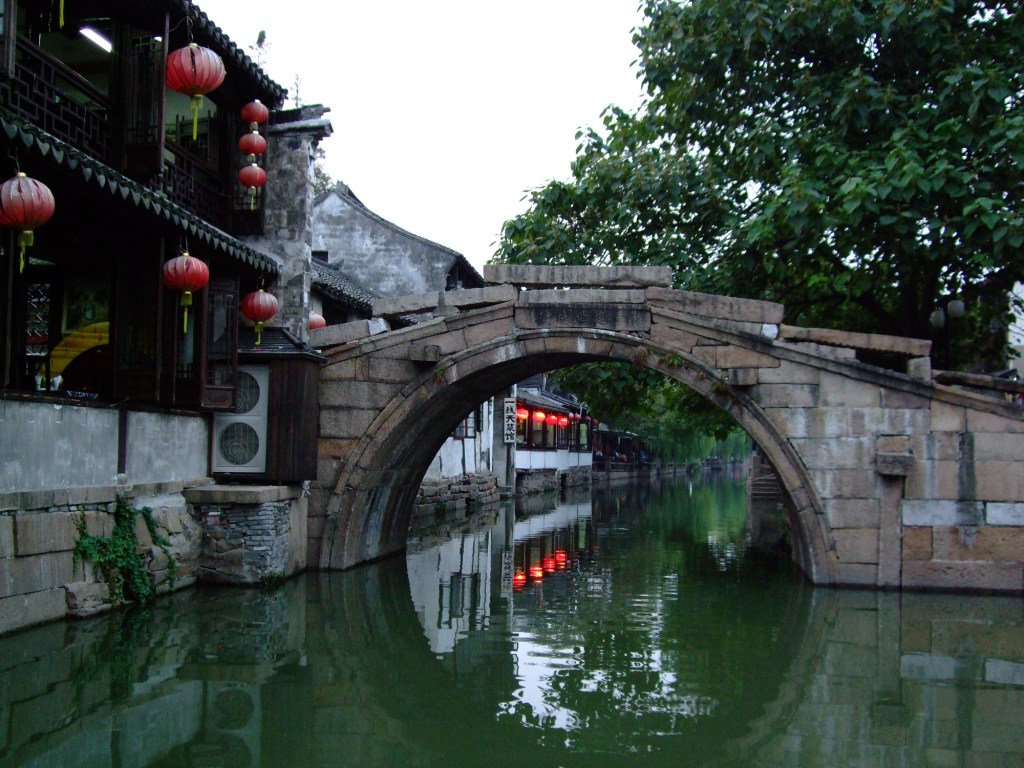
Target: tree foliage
x=859 y=162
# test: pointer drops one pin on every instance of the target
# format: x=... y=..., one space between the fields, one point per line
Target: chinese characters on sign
x=510 y=420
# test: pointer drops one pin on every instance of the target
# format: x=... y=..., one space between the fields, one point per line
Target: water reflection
x=664 y=639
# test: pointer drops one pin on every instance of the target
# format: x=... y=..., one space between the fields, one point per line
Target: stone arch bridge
x=894 y=479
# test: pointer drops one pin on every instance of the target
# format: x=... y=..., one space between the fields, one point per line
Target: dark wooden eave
x=95 y=173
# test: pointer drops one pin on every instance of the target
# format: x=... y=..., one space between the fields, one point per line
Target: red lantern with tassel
x=25 y=204
x=252 y=144
x=194 y=71
x=186 y=274
x=252 y=176
x=316 y=320
x=254 y=113
x=259 y=306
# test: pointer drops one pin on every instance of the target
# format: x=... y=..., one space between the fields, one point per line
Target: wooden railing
x=192 y=185
x=60 y=101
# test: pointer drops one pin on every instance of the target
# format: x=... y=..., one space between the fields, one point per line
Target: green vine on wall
x=119 y=558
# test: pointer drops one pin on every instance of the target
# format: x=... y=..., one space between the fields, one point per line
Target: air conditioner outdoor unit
x=240 y=436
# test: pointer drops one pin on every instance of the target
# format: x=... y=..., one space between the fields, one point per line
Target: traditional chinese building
x=119 y=376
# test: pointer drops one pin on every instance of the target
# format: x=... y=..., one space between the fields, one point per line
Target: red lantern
x=252 y=176
x=25 y=204
x=522 y=414
x=563 y=421
x=194 y=71
x=552 y=419
x=539 y=416
x=255 y=113
x=186 y=274
x=259 y=306
x=316 y=320
x=252 y=143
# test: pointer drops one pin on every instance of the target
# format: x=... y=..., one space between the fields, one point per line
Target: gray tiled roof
x=337 y=286
x=210 y=34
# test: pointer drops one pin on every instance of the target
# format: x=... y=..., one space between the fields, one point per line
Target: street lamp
x=954 y=310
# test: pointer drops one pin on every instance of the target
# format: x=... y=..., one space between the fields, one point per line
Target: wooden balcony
x=60 y=101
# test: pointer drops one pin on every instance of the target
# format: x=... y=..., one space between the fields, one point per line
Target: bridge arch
x=372 y=500
x=897 y=479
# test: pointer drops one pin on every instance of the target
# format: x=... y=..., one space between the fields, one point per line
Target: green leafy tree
x=858 y=161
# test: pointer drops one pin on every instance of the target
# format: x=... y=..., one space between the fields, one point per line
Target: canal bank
x=662 y=640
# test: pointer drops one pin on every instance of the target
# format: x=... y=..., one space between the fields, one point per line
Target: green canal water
x=636 y=627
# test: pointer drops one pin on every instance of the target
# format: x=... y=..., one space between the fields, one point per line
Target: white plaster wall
x=376 y=253
x=50 y=446
x=165 y=448
x=46 y=446
x=537 y=459
x=467 y=455
x=456 y=457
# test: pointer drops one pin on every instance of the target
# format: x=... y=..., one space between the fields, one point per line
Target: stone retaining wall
x=251 y=534
x=454 y=493
x=38 y=578
x=536 y=481
x=542 y=480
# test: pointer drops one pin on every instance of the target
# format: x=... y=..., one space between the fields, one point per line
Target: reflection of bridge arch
x=869 y=457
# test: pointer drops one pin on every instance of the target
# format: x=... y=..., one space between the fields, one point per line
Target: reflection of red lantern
x=259 y=306
x=539 y=416
x=24 y=205
x=186 y=274
x=522 y=414
x=316 y=320
x=536 y=572
x=254 y=113
x=549 y=564
x=561 y=557
x=252 y=176
x=518 y=579
x=194 y=71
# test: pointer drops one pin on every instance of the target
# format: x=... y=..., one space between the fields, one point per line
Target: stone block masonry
x=39 y=580
x=251 y=534
x=245 y=543
x=879 y=463
x=463 y=492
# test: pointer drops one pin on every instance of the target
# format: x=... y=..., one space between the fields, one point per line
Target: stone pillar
x=893 y=461
x=288 y=233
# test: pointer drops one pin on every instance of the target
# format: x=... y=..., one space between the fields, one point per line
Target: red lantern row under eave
x=194 y=71
x=252 y=143
x=25 y=204
x=259 y=306
x=254 y=113
x=186 y=274
x=252 y=176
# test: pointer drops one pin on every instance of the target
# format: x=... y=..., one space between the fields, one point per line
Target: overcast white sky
x=445 y=112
